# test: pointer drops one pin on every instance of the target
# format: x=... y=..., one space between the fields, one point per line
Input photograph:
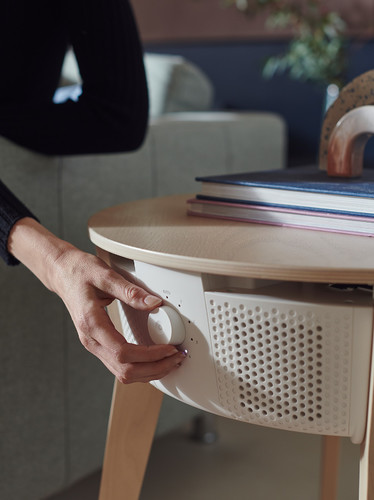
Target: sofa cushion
x=174 y=84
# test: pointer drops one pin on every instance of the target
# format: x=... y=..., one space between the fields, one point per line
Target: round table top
x=159 y=231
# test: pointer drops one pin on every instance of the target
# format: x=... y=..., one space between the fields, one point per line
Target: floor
x=246 y=463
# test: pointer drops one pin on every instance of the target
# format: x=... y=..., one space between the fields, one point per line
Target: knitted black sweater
x=11 y=210
x=111 y=114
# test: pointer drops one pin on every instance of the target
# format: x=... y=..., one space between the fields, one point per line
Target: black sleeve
x=111 y=114
x=11 y=210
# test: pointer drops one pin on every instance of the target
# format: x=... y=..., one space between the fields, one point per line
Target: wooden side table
x=158 y=232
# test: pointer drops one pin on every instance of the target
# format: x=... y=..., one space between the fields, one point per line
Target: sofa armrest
x=175 y=85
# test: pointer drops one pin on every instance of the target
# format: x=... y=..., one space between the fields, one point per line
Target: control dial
x=165 y=326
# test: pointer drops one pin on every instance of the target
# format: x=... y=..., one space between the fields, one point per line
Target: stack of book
x=303 y=197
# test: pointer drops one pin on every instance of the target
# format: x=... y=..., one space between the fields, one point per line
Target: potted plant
x=317 y=50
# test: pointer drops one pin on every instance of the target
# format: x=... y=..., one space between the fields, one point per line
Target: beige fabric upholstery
x=54 y=395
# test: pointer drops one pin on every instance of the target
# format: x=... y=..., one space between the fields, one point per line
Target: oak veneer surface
x=158 y=231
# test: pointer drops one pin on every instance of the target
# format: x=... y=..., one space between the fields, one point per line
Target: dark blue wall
x=235 y=70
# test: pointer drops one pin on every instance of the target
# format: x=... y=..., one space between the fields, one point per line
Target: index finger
x=134 y=295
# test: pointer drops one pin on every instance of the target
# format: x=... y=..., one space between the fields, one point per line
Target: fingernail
x=152 y=301
x=172 y=353
x=182 y=355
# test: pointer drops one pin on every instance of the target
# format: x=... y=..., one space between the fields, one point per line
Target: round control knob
x=165 y=326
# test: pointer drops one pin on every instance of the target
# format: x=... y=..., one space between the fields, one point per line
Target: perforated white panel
x=285 y=365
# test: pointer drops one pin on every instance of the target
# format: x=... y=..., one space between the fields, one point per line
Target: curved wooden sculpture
x=359 y=92
x=347 y=143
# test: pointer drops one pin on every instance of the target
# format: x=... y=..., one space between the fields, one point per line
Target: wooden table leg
x=132 y=423
x=367 y=446
x=330 y=467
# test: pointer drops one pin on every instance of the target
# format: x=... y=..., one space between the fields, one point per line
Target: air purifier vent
x=284 y=365
x=293 y=356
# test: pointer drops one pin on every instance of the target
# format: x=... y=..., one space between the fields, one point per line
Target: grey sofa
x=54 y=395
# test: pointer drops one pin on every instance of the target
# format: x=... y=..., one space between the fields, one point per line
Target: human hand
x=87 y=286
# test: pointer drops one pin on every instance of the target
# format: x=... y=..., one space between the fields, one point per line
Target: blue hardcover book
x=278 y=216
x=305 y=188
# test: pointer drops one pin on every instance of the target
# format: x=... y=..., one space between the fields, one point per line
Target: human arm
x=87 y=285
x=111 y=114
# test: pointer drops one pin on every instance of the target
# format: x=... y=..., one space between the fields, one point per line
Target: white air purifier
x=290 y=356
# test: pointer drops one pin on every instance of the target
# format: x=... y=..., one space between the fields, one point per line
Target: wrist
x=37 y=248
